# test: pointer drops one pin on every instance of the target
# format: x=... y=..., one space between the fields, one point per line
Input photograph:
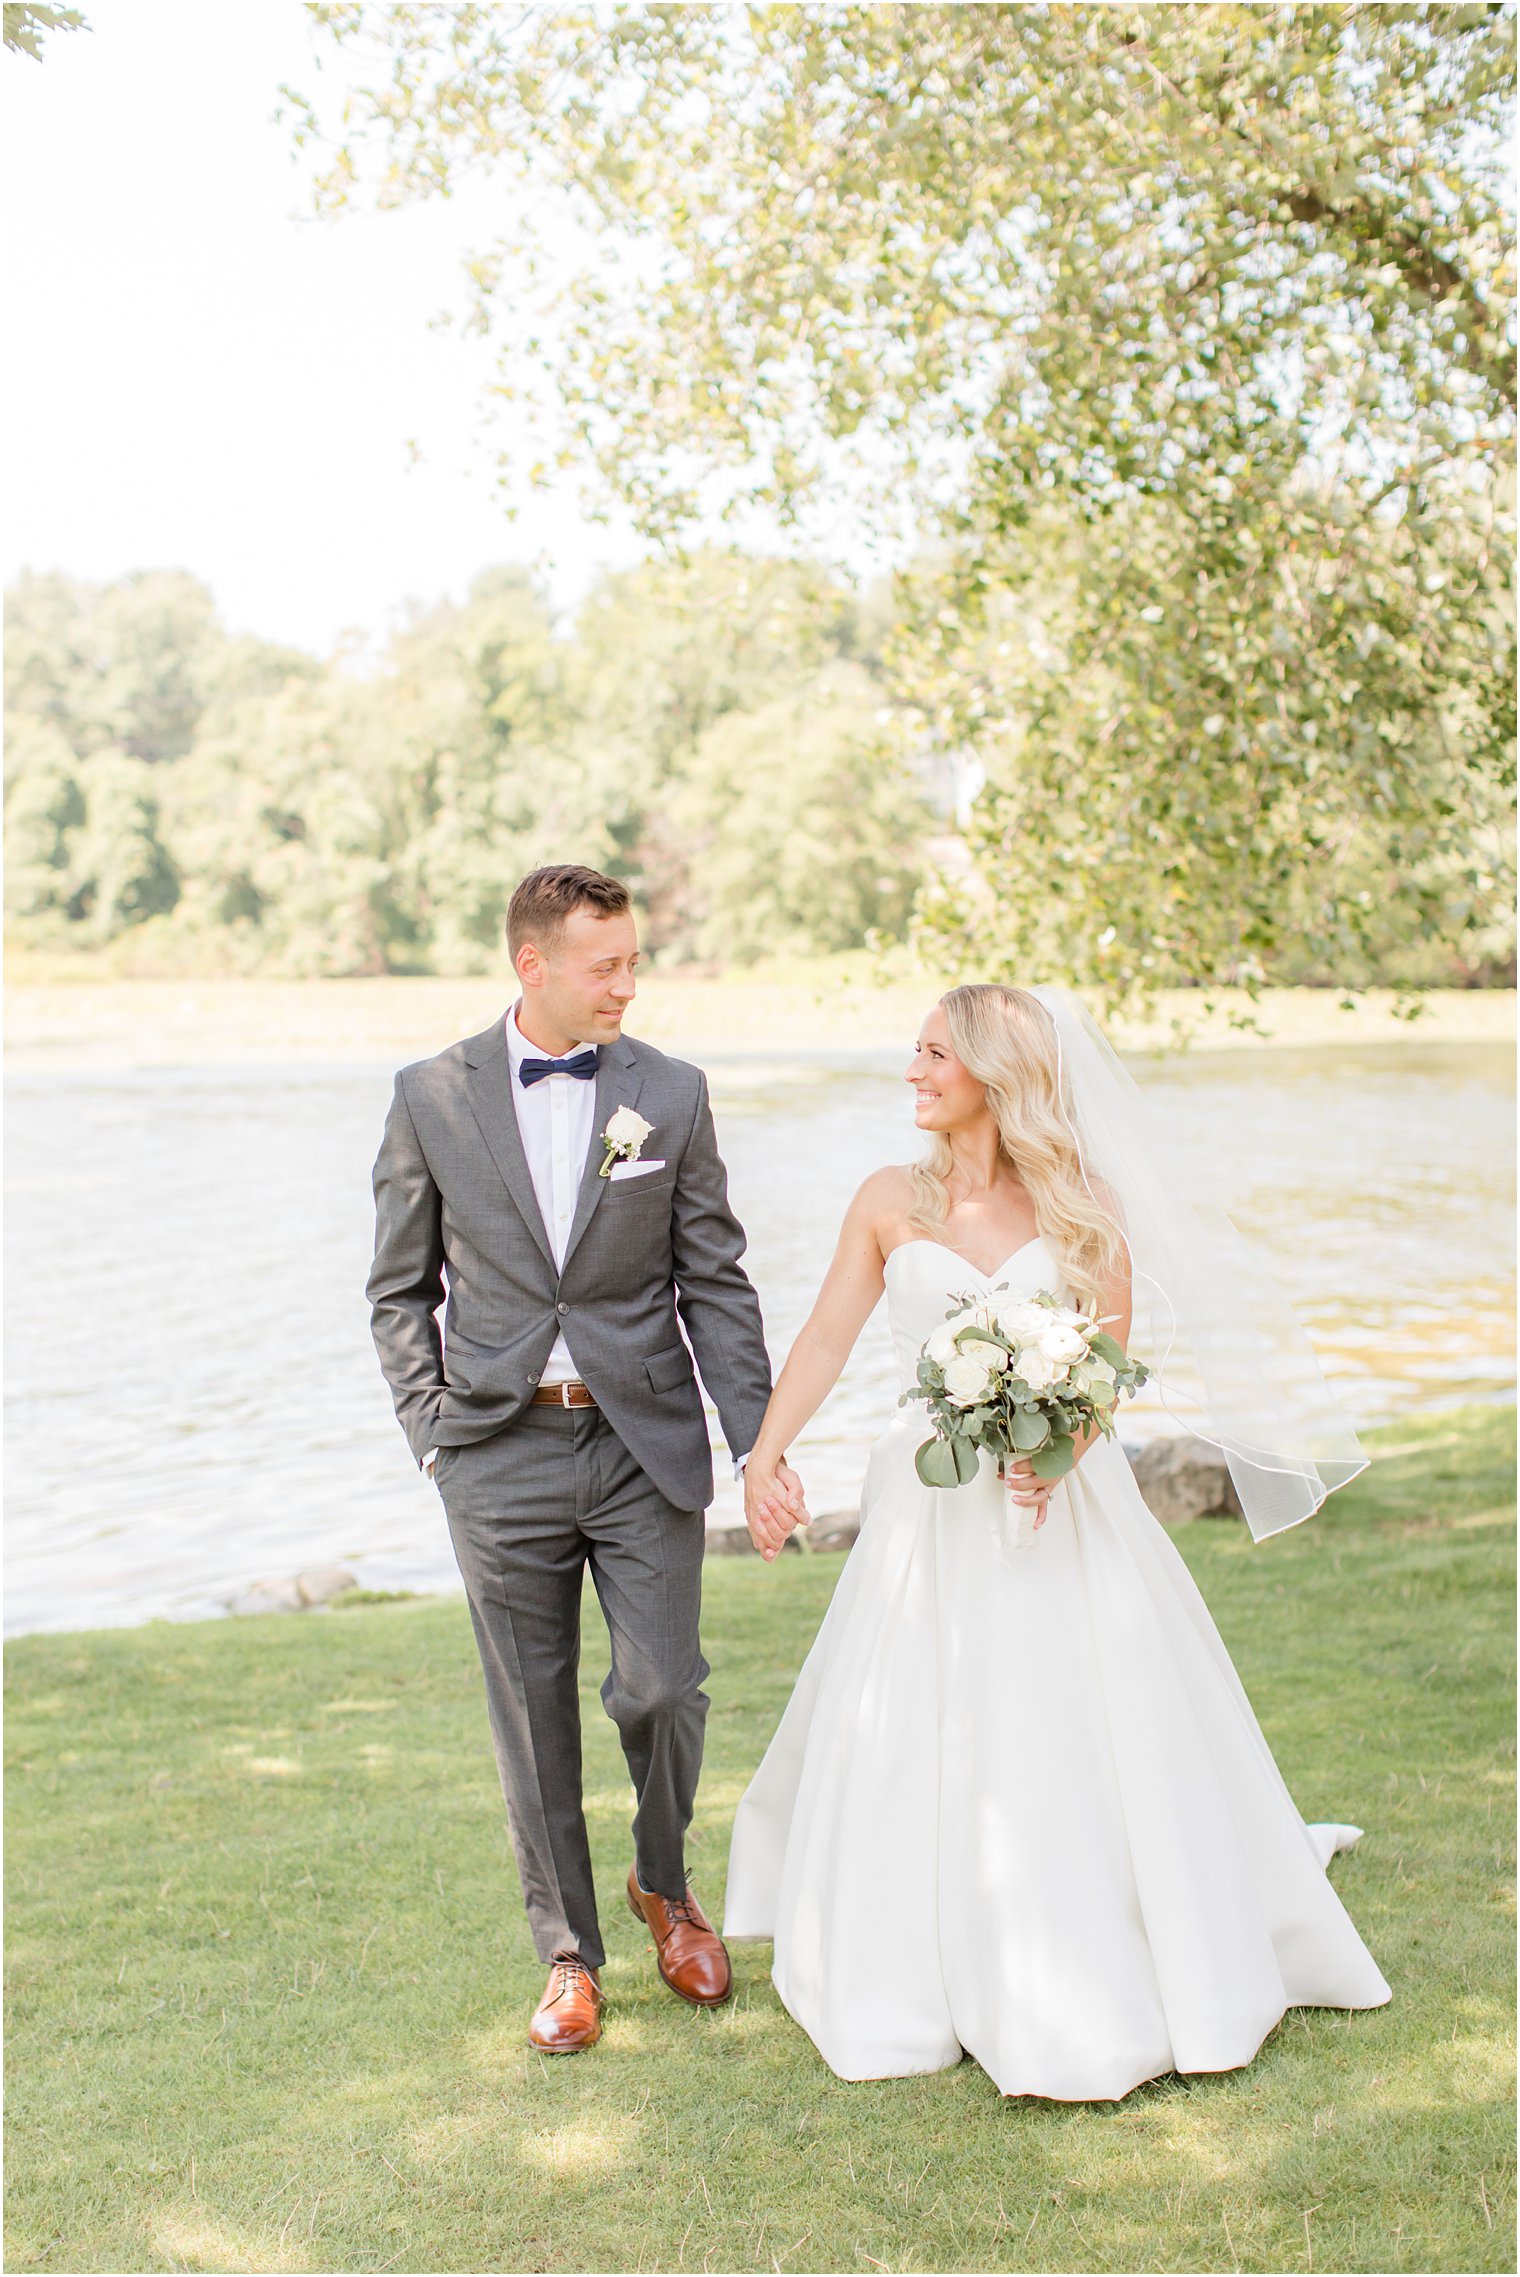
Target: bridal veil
x=1231 y=1363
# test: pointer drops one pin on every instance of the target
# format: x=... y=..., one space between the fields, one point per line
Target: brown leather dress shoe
x=689 y=1953
x=569 y=2017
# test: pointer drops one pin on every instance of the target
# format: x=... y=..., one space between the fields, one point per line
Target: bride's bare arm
x=850 y=1293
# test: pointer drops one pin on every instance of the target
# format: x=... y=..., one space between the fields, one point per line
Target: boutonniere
x=623 y=1138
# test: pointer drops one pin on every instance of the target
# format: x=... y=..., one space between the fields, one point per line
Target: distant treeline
x=771 y=763
x=715 y=732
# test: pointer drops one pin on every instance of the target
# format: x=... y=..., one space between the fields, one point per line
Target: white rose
x=1036 y=1370
x=626 y=1128
x=967 y=1380
x=941 y=1347
x=1022 y=1320
x=1060 y=1343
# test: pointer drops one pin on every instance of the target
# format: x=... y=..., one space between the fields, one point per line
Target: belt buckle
x=564 y=1393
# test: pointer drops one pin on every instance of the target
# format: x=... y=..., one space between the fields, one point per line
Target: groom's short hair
x=539 y=907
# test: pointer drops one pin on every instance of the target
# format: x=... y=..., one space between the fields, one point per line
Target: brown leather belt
x=572 y=1394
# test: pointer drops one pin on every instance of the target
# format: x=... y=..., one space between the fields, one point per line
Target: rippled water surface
x=193 y=1399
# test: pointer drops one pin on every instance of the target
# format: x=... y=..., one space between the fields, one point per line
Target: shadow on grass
x=270 y=1977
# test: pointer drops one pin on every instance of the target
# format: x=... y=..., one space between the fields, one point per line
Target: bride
x=1018 y=1806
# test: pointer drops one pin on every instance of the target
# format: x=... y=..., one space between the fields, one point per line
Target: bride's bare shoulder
x=888 y=1188
x=882 y=1202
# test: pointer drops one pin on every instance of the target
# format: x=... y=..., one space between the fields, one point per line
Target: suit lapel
x=617 y=1085
x=490 y=1086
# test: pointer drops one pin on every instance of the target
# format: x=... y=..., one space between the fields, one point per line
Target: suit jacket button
x=533 y=1379
x=562 y=1308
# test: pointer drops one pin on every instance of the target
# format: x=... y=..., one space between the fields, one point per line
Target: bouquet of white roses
x=1022 y=1377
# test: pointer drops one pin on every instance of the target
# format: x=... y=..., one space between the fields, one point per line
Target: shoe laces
x=574 y=1976
x=683 y=1908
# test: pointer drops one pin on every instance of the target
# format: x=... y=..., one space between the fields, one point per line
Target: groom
x=559 y=1414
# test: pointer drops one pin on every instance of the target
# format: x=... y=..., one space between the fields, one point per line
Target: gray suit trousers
x=528 y=1509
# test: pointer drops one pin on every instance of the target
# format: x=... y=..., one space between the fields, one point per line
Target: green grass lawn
x=269 y=1973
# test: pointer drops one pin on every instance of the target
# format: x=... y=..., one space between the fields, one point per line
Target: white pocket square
x=633 y=1169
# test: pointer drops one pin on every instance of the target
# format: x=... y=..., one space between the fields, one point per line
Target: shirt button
x=562 y=1308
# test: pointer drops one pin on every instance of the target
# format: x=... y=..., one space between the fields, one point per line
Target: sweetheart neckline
x=927 y=1241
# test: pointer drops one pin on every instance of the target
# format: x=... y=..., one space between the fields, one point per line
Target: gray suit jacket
x=454 y=1204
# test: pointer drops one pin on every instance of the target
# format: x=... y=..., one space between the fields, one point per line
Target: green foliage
x=802 y=828
x=27 y=22
x=668 y=660
x=132 y=664
x=269 y=1975
x=1055 y=1458
x=707 y=731
x=947 y=1462
x=44 y=810
x=1187 y=332
x=1245 y=740
x=1030 y=1429
x=124 y=873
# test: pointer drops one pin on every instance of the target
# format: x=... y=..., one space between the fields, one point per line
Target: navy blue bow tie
x=581 y=1064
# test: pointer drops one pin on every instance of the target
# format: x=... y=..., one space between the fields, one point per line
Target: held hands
x=774 y=1505
x=1034 y=1493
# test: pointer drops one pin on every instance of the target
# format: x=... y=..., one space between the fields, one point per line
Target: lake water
x=193 y=1399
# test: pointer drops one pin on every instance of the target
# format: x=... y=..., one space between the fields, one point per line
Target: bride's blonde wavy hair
x=1007 y=1040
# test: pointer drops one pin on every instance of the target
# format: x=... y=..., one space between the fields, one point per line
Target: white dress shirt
x=555 y=1118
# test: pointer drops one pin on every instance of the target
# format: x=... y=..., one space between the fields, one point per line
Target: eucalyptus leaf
x=938 y=1464
x=966 y=1461
x=1055 y=1460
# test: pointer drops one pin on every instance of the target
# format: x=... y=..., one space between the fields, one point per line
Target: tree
x=27 y=25
x=128 y=664
x=124 y=874
x=801 y=830
x=1221 y=294
x=662 y=654
x=212 y=799
x=44 y=808
x=475 y=775
x=1259 y=745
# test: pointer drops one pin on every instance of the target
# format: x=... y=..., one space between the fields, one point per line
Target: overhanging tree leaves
x=26 y=26
x=1186 y=331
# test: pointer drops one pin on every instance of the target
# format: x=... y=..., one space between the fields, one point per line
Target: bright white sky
x=202 y=377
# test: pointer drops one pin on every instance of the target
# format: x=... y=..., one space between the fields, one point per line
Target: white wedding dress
x=1018 y=1806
